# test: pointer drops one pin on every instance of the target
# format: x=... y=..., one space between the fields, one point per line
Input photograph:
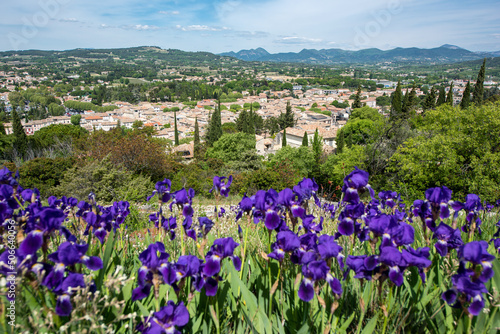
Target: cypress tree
x=449 y=97
x=214 y=131
x=406 y=102
x=176 y=133
x=357 y=99
x=412 y=100
x=317 y=147
x=477 y=96
x=305 y=140
x=289 y=117
x=340 y=141
x=430 y=100
x=397 y=104
x=196 y=145
x=283 y=142
x=442 y=97
x=20 y=138
x=2 y=129
x=466 y=97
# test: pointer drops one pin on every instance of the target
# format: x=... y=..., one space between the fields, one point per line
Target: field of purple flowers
x=278 y=262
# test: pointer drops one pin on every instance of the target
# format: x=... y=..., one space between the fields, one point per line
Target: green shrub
x=44 y=173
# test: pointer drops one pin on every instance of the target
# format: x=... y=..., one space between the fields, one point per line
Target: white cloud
x=141 y=27
x=198 y=27
x=164 y=12
x=71 y=19
x=298 y=40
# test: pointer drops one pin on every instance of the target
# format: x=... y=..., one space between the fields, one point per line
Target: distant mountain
x=248 y=54
x=444 y=54
x=133 y=54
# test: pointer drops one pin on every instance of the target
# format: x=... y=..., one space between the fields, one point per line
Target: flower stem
x=270 y=286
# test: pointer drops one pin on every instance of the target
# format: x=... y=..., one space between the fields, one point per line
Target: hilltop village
x=314 y=108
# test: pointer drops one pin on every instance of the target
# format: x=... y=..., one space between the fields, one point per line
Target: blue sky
x=231 y=25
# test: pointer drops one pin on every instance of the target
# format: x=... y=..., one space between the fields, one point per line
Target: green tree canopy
x=463 y=155
x=300 y=158
x=366 y=113
x=231 y=146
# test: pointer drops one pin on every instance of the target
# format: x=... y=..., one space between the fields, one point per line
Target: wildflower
x=356 y=181
x=266 y=208
x=155 y=270
x=439 y=198
x=46 y=222
x=388 y=198
x=64 y=292
x=313 y=272
x=245 y=206
x=447 y=238
x=162 y=188
x=286 y=241
x=220 y=186
x=221 y=249
x=166 y=320
x=472 y=206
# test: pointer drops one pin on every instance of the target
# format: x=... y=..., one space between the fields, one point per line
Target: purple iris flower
x=186 y=266
x=356 y=181
x=100 y=224
x=476 y=252
x=305 y=189
x=447 y=238
x=472 y=206
x=439 y=197
x=29 y=195
x=393 y=258
x=221 y=212
x=220 y=186
x=388 y=198
x=155 y=268
x=286 y=241
x=292 y=202
x=470 y=291
x=245 y=206
x=221 y=249
x=310 y=226
x=307 y=251
x=496 y=244
x=119 y=211
x=468 y=284
x=47 y=221
x=348 y=217
x=64 y=291
x=266 y=203
x=418 y=258
x=328 y=248
x=183 y=199
x=205 y=226
x=313 y=272
x=364 y=266
x=162 y=188
x=69 y=254
x=166 y=321
x=157 y=218
x=169 y=225
x=7 y=178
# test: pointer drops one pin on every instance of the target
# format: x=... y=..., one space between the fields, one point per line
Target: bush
x=44 y=173
x=301 y=159
x=103 y=178
x=283 y=175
